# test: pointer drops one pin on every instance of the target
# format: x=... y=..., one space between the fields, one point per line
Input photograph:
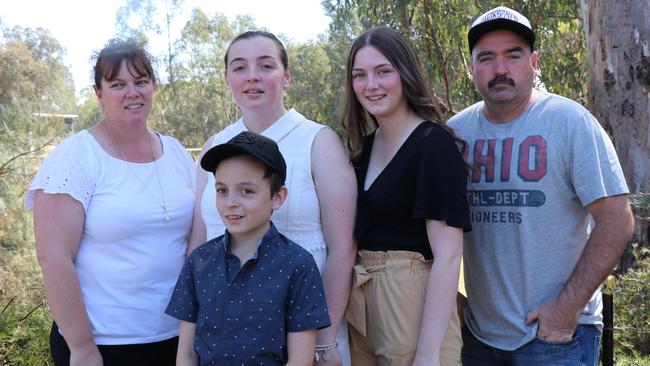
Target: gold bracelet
x=323 y=348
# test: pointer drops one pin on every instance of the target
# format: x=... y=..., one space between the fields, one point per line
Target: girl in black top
x=411 y=211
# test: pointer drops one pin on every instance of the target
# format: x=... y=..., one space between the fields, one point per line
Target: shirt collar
x=262 y=247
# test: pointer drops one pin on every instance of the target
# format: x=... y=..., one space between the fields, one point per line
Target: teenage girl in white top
x=319 y=211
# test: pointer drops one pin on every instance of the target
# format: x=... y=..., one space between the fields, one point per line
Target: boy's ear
x=279 y=197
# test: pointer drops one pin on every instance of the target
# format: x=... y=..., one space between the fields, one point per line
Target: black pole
x=608 y=321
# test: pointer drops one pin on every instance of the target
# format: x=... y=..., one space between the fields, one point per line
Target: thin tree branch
x=3 y=168
x=30 y=312
x=6 y=306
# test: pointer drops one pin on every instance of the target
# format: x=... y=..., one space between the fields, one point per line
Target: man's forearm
x=613 y=230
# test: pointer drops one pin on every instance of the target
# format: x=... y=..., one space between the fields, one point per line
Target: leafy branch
x=641 y=201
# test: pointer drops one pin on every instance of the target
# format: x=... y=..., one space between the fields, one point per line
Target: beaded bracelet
x=323 y=348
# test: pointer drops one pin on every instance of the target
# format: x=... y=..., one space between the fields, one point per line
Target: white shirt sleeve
x=70 y=169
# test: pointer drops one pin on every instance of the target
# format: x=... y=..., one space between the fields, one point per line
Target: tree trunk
x=618 y=43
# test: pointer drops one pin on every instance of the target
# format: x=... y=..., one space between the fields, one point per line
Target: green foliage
x=25 y=341
x=33 y=79
x=90 y=112
x=641 y=201
x=15 y=231
x=24 y=321
x=625 y=360
x=309 y=90
x=632 y=308
x=198 y=103
x=561 y=46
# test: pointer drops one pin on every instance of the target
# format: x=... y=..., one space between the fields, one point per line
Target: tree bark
x=618 y=47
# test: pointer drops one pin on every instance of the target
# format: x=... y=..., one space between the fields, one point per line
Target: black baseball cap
x=500 y=18
x=248 y=143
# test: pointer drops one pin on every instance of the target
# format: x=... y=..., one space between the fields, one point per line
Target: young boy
x=250 y=296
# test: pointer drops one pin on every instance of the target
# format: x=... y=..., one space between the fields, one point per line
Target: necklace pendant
x=165 y=213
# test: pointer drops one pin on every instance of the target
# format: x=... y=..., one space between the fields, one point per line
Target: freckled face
x=377 y=83
x=503 y=68
x=255 y=74
x=127 y=98
x=244 y=198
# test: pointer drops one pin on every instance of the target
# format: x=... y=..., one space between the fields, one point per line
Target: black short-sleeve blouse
x=426 y=179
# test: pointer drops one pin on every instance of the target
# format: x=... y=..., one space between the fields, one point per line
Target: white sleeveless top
x=299 y=217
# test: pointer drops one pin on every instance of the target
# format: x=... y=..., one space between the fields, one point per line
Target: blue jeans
x=582 y=350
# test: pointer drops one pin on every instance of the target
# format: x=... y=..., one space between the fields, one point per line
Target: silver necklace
x=162 y=204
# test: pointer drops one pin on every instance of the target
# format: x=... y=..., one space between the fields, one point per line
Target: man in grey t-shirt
x=549 y=209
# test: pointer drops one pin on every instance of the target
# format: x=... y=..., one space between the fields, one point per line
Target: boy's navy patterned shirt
x=244 y=312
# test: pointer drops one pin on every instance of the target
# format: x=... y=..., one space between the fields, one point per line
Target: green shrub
x=24 y=341
x=632 y=309
x=24 y=319
x=625 y=360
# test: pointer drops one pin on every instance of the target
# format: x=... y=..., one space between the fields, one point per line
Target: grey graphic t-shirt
x=528 y=187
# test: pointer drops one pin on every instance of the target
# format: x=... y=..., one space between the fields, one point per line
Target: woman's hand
x=86 y=356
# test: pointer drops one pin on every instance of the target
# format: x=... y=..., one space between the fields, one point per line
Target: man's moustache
x=501 y=80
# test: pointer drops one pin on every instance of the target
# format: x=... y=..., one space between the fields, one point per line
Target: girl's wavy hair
x=355 y=120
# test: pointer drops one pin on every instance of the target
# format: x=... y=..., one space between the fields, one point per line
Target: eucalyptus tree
x=618 y=38
x=311 y=91
x=33 y=79
x=202 y=104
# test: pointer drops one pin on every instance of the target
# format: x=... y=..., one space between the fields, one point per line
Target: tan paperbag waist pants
x=385 y=310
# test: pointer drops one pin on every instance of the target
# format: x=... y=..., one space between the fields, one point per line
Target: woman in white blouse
x=112 y=218
x=319 y=211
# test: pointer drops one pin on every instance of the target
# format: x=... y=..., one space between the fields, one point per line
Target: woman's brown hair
x=109 y=60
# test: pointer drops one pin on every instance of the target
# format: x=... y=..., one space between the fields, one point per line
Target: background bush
x=632 y=308
x=24 y=319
